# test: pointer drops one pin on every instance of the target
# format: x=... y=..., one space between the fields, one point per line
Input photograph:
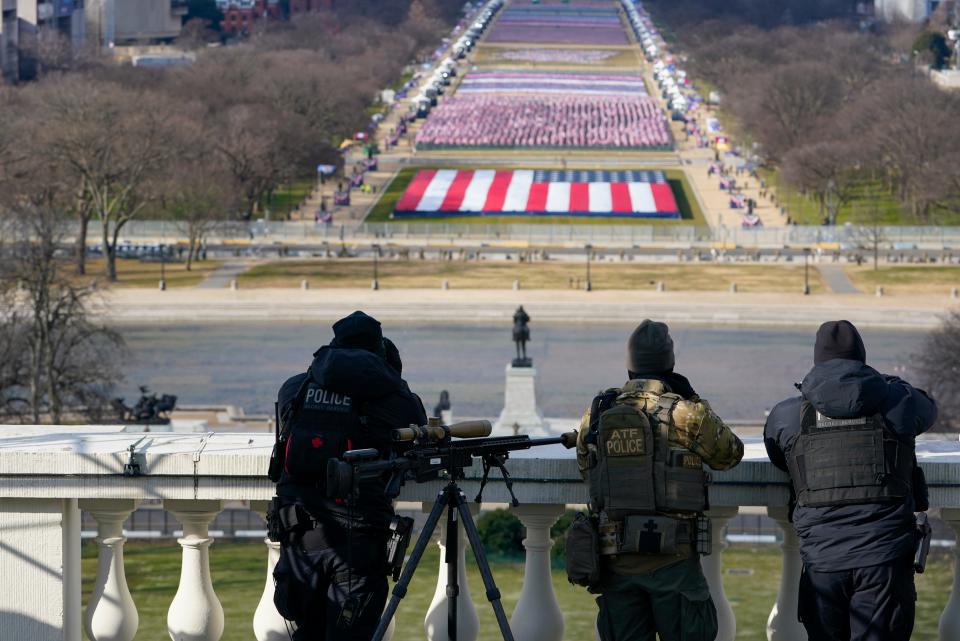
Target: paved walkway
x=486 y=306
x=837 y=280
x=222 y=275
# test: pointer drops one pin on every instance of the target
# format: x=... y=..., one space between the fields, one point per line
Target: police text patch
x=625 y=442
x=325 y=400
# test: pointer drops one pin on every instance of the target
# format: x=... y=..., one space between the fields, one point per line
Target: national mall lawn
x=751 y=580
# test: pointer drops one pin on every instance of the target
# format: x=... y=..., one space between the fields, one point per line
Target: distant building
x=307 y=6
x=909 y=10
x=20 y=20
x=112 y=22
x=239 y=16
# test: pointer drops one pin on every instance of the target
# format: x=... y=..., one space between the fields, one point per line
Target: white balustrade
x=537 y=616
x=268 y=625
x=713 y=571
x=435 y=623
x=782 y=624
x=111 y=614
x=195 y=613
x=47 y=476
x=950 y=619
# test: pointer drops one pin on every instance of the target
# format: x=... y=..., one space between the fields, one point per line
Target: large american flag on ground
x=446 y=192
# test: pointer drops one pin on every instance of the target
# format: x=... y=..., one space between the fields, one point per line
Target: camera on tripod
x=422 y=453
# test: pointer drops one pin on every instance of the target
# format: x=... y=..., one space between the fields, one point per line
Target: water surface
x=742 y=371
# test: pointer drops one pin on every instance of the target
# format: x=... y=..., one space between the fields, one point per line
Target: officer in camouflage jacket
x=645 y=595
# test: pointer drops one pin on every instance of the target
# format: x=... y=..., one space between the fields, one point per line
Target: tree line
x=90 y=141
x=843 y=111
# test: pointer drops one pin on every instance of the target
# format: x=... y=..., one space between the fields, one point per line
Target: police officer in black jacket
x=331 y=575
x=848 y=444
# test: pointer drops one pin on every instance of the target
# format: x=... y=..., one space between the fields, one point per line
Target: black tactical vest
x=321 y=425
x=636 y=471
x=848 y=461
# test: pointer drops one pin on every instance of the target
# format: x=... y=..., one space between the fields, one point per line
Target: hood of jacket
x=842 y=388
x=356 y=372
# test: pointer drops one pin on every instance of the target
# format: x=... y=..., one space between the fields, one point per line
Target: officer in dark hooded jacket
x=331 y=575
x=848 y=444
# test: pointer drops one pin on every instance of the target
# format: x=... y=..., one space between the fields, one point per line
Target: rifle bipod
x=452 y=500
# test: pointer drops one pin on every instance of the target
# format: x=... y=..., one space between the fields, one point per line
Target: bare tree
x=828 y=170
x=109 y=143
x=938 y=365
x=200 y=200
x=870 y=234
x=63 y=365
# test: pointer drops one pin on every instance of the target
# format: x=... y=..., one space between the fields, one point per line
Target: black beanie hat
x=392 y=355
x=358 y=331
x=838 y=339
x=650 y=349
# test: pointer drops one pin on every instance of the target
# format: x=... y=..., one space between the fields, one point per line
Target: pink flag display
x=527 y=192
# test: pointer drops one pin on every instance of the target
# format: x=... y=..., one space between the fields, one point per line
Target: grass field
x=916 y=279
x=491 y=54
x=134 y=273
x=751 y=581
x=538 y=275
x=868 y=195
x=288 y=196
x=382 y=211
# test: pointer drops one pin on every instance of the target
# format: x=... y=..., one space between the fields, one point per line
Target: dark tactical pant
x=673 y=602
x=874 y=603
x=321 y=579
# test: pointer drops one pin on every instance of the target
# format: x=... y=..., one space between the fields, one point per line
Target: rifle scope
x=434 y=431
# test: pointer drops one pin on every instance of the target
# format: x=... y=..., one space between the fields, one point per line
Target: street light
x=806 y=271
x=376 y=256
x=589 y=248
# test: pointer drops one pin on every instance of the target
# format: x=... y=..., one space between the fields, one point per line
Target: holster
x=285 y=519
x=401 y=529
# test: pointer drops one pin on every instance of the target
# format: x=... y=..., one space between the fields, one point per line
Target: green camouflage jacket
x=694 y=426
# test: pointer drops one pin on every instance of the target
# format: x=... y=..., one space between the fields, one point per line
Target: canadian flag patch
x=316 y=442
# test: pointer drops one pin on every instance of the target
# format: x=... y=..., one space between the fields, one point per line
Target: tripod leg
x=400 y=589
x=453 y=558
x=493 y=594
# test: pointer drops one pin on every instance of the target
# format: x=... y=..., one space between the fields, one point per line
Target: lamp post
x=589 y=248
x=163 y=258
x=375 y=285
x=806 y=271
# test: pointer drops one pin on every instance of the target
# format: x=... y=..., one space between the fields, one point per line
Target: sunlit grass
x=751 y=581
x=428 y=274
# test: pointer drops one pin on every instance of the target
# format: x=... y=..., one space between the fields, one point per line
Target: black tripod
x=452 y=499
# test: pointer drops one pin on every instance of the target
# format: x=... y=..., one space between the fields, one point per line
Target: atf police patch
x=625 y=442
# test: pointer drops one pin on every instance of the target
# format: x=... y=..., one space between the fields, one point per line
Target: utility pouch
x=704 y=536
x=401 y=529
x=275 y=529
x=583 y=552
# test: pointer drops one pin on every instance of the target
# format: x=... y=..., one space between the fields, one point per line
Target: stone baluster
x=782 y=624
x=950 y=619
x=537 y=616
x=195 y=613
x=111 y=613
x=268 y=625
x=713 y=570
x=435 y=623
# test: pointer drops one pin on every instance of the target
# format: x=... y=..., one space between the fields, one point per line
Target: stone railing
x=48 y=475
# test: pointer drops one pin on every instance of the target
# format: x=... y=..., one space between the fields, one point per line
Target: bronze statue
x=521 y=334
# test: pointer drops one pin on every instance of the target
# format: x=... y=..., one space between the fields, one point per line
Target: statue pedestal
x=520 y=414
